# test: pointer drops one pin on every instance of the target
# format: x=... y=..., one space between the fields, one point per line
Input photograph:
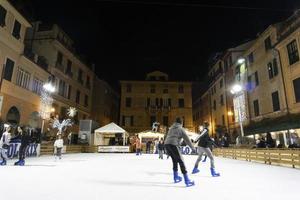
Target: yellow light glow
x=230 y=113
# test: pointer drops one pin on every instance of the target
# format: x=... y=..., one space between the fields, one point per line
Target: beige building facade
x=157 y=99
x=22 y=77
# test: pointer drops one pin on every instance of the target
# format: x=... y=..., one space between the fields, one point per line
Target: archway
x=13 y=115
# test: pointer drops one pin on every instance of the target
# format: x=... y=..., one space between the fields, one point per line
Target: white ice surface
x=126 y=176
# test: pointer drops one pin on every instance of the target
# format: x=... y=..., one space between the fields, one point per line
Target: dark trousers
x=22 y=152
x=176 y=156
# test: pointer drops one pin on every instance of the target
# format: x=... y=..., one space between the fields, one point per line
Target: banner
x=186 y=150
x=32 y=149
x=122 y=149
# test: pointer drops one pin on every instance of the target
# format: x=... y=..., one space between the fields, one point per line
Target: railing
x=281 y=157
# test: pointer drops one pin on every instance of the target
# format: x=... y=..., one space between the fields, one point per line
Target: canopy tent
x=150 y=134
x=109 y=129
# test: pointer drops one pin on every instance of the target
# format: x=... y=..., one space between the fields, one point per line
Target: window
x=222 y=100
x=69 y=68
x=2 y=16
x=221 y=83
x=165 y=91
x=215 y=89
x=128 y=102
x=180 y=89
x=237 y=73
x=268 y=44
x=256 y=79
x=256 y=108
x=23 y=78
x=148 y=102
x=62 y=88
x=37 y=86
x=249 y=83
x=169 y=102
x=220 y=67
x=59 y=58
x=127 y=121
x=152 y=89
x=275 y=101
x=78 y=96
x=272 y=69
x=181 y=103
x=156 y=102
x=215 y=105
x=16 y=30
x=165 y=120
x=9 y=68
x=69 y=92
x=293 y=52
x=86 y=100
x=88 y=83
x=296 y=84
x=80 y=76
x=152 y=120
x=128 y=88
x=251 y=58
x=223 y=120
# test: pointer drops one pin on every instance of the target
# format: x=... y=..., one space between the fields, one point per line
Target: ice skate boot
x=187 y=181
x=17 y=163
x=3 y=163
x=214 y=173
x=177 y=178
x=195 y=170
x=22 y=163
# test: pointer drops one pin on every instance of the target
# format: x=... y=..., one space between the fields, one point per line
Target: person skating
x=172 y=142
x=203 y=147
x=4 y=144
x=161 y=149
x=23 y=135
x=138 y=145
x=58 y=145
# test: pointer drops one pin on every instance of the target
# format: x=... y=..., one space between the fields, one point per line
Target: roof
x=110 y=128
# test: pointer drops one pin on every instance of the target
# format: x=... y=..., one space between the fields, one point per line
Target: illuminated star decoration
x=46 y=103
x=72 y=112
x=61 y=126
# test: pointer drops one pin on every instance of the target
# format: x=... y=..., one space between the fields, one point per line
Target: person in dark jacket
x=24 y=137
x=172 y=143
x=161 y=149
x=204 y=142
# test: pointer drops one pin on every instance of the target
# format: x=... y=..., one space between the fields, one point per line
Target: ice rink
x=126 y=176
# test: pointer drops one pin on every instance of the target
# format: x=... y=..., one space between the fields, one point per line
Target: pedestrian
x=4 y=144
x=58 y=145
x=161 y=149
x=203 y=147
x=148 y=146
x=155 y=150
x=172 y=143
x=138 y=145
x=24 y=136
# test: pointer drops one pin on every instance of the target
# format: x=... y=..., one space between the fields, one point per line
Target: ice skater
x=24 y=136
x=138 y=145
x=161 y=149
x=58 y=145
x=4 y=144
x=203 y=147
x=172 y=142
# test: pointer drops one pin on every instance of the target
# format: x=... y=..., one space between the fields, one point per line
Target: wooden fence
x=281 y=157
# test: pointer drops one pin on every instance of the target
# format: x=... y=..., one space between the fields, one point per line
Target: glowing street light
x=49 y=87
x=236 y=89
x=241 y=60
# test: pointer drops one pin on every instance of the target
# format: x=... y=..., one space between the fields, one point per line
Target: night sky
x=126 y=39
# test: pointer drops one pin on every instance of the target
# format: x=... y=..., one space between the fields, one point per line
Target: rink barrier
x=49 y=149
x=281 y=157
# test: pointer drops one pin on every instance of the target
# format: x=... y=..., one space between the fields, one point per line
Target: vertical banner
x=239 y=104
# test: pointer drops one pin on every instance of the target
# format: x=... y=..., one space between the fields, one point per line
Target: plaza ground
x=126 y=176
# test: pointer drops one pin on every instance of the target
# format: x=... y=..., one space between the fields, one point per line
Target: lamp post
x=46 y=102
x=236 y=90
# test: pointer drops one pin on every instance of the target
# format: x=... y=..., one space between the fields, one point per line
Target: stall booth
x=111 y=138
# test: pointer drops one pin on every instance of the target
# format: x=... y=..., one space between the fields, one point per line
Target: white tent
x=111 y=128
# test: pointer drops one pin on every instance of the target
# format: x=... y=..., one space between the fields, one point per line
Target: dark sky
x=127 y=39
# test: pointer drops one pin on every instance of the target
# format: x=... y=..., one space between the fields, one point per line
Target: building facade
x=105 y=103
x=22 y=76
x=72 y=77
x=156 y=99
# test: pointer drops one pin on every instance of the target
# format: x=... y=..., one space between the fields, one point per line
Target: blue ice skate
x=214 y=173
x=195 y=170
x=3 y=163
x=187 y=181
x=177 y=178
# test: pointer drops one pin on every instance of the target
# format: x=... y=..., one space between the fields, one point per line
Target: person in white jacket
x=58 y=145
x=4 y=144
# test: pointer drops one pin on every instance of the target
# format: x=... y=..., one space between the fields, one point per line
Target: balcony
x=41 y=61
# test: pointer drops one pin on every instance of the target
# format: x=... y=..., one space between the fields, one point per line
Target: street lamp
x=46 y=102
x=236 y=90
